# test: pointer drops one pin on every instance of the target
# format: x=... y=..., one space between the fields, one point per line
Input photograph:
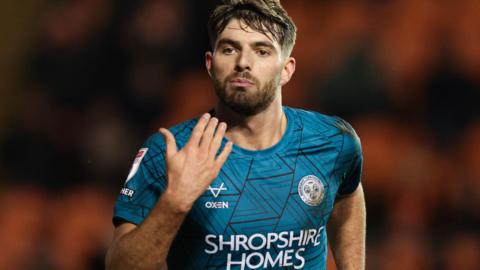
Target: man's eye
x=228 y=50
x=263 y=52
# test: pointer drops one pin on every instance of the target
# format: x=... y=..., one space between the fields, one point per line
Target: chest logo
x=311 y=190
x=216 y=191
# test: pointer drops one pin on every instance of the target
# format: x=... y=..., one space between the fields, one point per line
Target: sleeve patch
x=127 y=192
x=136 y=163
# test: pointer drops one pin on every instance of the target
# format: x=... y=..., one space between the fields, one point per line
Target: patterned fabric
x=267 y=209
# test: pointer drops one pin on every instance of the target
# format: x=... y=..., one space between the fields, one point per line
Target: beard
x=244 y=101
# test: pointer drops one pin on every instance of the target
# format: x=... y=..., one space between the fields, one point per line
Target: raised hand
x=196 y=165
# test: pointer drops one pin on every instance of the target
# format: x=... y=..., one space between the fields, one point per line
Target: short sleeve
x=145 y=183
x=351 y=159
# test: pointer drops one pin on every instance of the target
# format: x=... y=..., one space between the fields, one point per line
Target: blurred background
x=84 y=82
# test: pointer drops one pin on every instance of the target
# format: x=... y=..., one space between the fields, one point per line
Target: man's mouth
x=241 y=82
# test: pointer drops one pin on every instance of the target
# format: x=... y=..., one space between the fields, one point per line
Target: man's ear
x=208 y=62
x=288 y=70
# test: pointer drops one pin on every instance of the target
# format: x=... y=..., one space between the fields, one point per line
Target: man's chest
x=292 y=191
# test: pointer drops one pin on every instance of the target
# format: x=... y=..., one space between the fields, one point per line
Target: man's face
x=247 y=69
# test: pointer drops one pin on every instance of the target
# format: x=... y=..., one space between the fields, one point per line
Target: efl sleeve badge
x=136 y=163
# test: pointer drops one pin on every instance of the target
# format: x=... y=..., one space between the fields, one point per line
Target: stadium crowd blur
x=92 y=79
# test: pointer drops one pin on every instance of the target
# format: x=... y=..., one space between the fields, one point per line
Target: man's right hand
x=196 y=165
x=189 y=173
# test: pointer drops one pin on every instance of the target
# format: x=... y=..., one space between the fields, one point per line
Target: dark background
x=83 y=83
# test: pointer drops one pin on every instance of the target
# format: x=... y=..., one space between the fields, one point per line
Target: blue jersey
x=267 y=209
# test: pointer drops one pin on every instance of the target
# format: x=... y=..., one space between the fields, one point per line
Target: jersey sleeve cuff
x=125 y=213
x=346 y=192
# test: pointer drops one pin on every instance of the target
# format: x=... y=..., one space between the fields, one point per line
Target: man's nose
x=244 y=62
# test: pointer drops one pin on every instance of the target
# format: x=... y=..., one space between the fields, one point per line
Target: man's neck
x=255 y=132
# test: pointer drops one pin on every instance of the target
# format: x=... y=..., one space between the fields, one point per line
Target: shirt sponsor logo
x=136 y=163
x=216 y=192
x=216 y=204
x=311 y=190
x=254 y=251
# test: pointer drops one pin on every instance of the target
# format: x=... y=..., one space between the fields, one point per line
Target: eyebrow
x=237 y=44
x=264 y=44
x=228 y=41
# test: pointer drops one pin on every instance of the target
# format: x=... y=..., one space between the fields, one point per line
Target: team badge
x=136 y=163
x=311 y=190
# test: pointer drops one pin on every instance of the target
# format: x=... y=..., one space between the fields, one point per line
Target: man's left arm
x=346 y=231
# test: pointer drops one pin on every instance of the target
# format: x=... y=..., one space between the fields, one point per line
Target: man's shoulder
x=181 y=132
x=316 y=121
x=316 y=125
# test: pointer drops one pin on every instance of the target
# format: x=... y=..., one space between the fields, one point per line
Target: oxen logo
x=311 y=190
x=216 y=191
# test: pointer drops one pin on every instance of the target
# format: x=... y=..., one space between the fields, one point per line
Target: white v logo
x=216 y=191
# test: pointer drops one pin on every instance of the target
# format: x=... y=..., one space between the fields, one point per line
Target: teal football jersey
x=267 y=209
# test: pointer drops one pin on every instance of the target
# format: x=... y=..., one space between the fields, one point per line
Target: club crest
x=311 y=190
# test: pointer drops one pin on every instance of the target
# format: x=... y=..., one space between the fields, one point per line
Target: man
x=263 y=199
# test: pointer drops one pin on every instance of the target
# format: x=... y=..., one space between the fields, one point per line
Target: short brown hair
x=264 y=16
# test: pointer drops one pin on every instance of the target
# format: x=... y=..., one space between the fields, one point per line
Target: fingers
x=217 y=140
x=198 y=130
x=169 y=141
x=208 y=135
x=224 y=155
